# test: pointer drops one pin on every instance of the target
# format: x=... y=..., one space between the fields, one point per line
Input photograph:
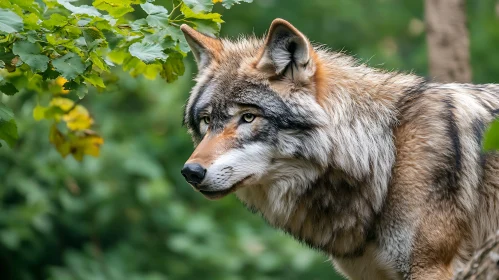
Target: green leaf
x=152 y=70
x=55 y=20
x=115 y=8
x=92 y=36
x=147 y=52
x=81 y=91
x=491 y=137
x=8 y=127
x=188 y=13
x=30 y=53
x=152 y=9
x=8 y=89
x=78 y=10
x=99 y=62
x=8 y=132
x=229 y=3
x=70 y=66
x=6 y=56
x=5 y=113
x=207 y=27
x=157 y=15
x=173 y=67
x=50 y=74
x=10 y=22
x=31 y=21
x=39 y=112
x=178 y=36
x=112 y=39
x=29 y=5
x=199 y=6
x=95 y=80
x=159 y=20
x=70 y=85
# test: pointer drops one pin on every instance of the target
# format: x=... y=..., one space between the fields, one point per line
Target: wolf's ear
x=204 y=48
x=286 y=51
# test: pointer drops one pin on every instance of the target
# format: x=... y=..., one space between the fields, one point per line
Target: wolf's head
x=261 y=114
x=254 y=113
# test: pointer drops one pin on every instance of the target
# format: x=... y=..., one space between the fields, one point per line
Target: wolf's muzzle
x=194 y=173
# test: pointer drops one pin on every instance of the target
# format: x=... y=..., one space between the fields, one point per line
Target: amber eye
x=248 y=117
x=206 y=120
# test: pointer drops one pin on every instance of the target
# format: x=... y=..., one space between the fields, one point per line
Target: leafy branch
x=59 y=49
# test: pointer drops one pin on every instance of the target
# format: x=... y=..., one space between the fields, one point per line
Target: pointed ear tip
x=280 y=21
x=186 y=28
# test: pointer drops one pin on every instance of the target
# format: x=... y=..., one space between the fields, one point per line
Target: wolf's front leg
x=440 y=238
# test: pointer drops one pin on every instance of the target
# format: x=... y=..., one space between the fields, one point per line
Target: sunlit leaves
x=491 y=138
x=10 y=22
x=207 y=23
x=31 y=21
x=78 y=144
x=8 y=127
x=115 y=8
x=75 y=116
x=79 y=139
x=94 y=80
x=59 y=47
x=192 y=14
x=55 y=20
x=30 y=53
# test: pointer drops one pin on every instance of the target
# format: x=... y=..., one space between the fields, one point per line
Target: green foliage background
x=128 y=214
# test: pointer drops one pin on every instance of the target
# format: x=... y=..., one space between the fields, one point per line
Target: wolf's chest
x=369 y=266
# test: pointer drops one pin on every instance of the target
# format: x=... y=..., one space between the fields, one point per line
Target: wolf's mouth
x=217 y=194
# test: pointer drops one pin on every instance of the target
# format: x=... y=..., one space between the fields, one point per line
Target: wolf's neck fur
x=331 y=214
x=333 y=208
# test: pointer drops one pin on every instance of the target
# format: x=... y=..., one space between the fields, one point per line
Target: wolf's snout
x=194 y=173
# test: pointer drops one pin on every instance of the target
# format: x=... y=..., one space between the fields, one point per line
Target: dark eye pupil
x=206 y=120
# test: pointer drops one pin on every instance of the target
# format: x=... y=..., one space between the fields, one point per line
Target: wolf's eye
x=206 y=120
x=248 y=117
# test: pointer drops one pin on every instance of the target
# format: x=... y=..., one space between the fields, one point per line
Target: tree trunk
x=448 y=40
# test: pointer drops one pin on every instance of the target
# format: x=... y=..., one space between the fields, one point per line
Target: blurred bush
x=129 y=214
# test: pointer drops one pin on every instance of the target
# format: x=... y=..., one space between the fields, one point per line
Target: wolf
x=381 y=171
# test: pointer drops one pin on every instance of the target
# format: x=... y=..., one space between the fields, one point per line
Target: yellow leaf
x=86 y=145
x=59 y=141
x=60 y=81
x=63 y=103
x=217 y=1
x=76 y=119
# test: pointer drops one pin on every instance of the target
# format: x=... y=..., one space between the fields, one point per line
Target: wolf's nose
x=193 y=173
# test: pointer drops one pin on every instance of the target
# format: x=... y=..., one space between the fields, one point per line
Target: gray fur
x=382 y=171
